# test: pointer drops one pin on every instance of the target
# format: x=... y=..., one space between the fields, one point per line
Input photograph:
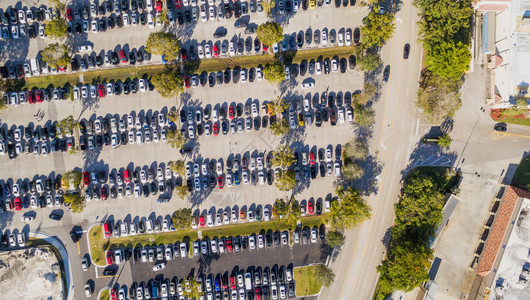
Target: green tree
x=280 y=127
x=355 y=149
x=56 y=55
x=182 y=191
x=444 y=141
x=520 y=107
x=283 y=157
x=268 y=6
x=270 y=33
x=293 y=214
x=438 y=97
x=324 y=275
x=448 y=59
x=352 y=170
x=163 y=17
x=71 y=180
x=350 y=210
x=57 y=4
x=178 y=167
x=192 y=289
x=68 y=124
x=168 y=83
x=175 y=138
x=163 y=43
x=369 y=61
x=9 y=85
x=274 y=72
x=335 y=238
x=370 y=90
x=363 y=115
x=285 y=181
x=406 y=267
x=75 y=201
x=377 y=28
x=173 y=116
x=280 y=209
x=182 y=219
x=56 y=28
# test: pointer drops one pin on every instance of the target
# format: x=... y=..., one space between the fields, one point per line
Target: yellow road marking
x=78 y=249
x=498 y=135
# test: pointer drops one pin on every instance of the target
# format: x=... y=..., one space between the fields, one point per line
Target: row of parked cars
x=13 y=240
x=92 y=61
x=276 y=282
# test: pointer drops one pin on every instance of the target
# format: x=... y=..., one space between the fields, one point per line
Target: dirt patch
x=34 y=272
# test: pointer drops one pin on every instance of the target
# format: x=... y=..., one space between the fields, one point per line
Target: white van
x=149 y=226
x=209 y=220
x=35 y=68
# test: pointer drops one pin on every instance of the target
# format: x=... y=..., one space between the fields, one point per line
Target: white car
x=243 y=75
x=318 y=68
x=347 y=38
x=42 y=33
x=308 y=85
x=334 y=65
x=211 y=10
x=259 y=74
x=142 y=85
x=125 y=18
x=231 y=49
x=27 y=219
x=150 y=21
x=84 y=48
x=204 y=18
x=94 y=26
x=207 y=51
x=324 y=37
x=340 y=39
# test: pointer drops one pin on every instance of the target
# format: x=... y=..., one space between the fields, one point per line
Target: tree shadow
x=429 y=155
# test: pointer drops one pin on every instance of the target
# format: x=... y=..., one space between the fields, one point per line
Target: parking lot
x=204 y=148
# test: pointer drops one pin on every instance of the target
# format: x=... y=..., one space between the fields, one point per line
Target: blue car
x=236 y=179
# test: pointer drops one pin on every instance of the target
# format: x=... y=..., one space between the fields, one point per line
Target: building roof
x=498 y=229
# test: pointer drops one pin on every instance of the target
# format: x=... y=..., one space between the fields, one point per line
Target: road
x=398 y=129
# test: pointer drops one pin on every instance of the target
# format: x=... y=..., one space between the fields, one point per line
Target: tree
x=57 y=4
x=363 y=115
x=324 y=275
x=178 y=167
x=277 y=106
x=182 y=218
x=369 y=61
x=377 y=28
x=71 y=180
x=168 y=83
x=163 y=17
x=352 y=170
x=335 y=238
x=163 y=43
x=294 y=213
x=355 y=149
x=56 y=28
x=274 y=72
x=56 y=55
x=75 y=201
x=520 y=107
x=9 y=85
x=406 y=267
x=182 y=191
x=280 y=209
x=270 y=33
x=172 y=117
x=175 y=138
x=444 y=141
x=438 y=97
x=285 y=180
x=282 y=157
x=192 y=288
x=268 y=6
x=370 y=90
x=448 y=59
x=280 y=127
x=67 y=124
x=350 y=210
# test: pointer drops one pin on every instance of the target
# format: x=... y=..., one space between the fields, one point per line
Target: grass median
x=98 y=244
x=208 y=65
x=104 y=295
x=306 y=282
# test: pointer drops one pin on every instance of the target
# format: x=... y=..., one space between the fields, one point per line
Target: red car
x=231 y=113
x=101 y=91
x=187 y=82
x=177 y=4
x=158 y=6
x=312 y=158
x=113 y=294
x=201 y=221
x=183 y=55
x=310 y=207
x=127 y=176
x=215 y=129
x=232 y=282
x=104 y=193
x=123 y=57
x=229 y=245
x=220 y=180
x=86 y=178
x=109 y=257
x=69 y=14
x=215 y=51
x=265 y=47
x=31 y=97
x=62 y=69
x=107 y=229
x=39 y=96
x=17 y=204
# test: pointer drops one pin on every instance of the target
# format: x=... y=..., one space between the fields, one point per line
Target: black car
x=74 y=236
x=143 y=18
x=386 y=73
x=74 y=65
x=352 y=61
x=500 y=127
x=77 y=28
x=180 y=18
x=318 y=118
x=56 y=216
x=211 y=80
x=109 y=272
x=326 y=66
x=343 y=65
x=227 y=76
x=406 y=51
x=102 y=26
x=132 y=59
x=356 y=35
x=99 y=61
x=300 y=39
x=228 y=11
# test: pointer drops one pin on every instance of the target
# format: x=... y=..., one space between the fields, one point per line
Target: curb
x=88 y=243
x=100 y=291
